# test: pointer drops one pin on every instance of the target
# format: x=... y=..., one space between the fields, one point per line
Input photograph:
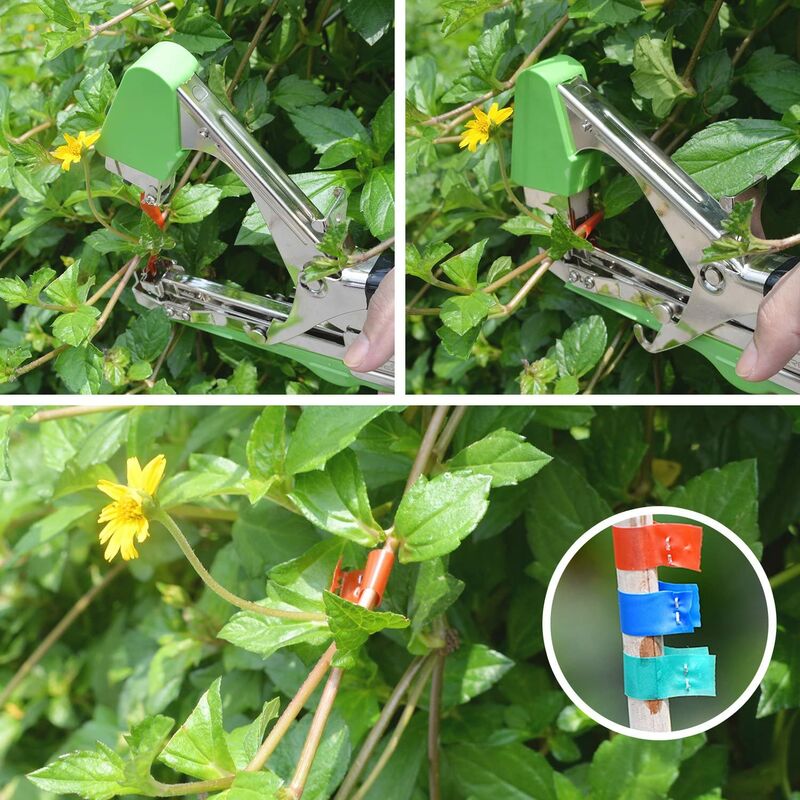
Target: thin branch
x=527 y=287
x=72 y=411
x=97 y=29
x=251 y=47
x=373 y=251
x=23 y=137
x=748 y=40
x=434 y=721
x=132 y=264
x=246 y=605
x=443 y=442
x=292 y=710
x=605 y=360
x=394 y=740
x=58 y=631
x=701 y=41
x=9 y=205
x=426 y=447
x=378 y=729
x=107 y=285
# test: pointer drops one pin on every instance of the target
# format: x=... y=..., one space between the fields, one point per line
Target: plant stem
x=515 y=273
x=292 y=710
x=443 y=442
x=373 y=251
x=434 y=720
x=9 y=205
x=402 y=724
x=194 y=787
x=120 y=287
x=37 y=362
x=93 y=207
x=426 y=447
x=71 y=411
x=605 y=360
x=704 y=34
x=166 y=520
x=377 y=731
x=318 y=723
x=501 y=161
x=512 y=304
x=23 y=137
x=790 y=573
x=107 y=285
x=748 y=40
x=262 y=26
x=97 y=29
x=81 y=604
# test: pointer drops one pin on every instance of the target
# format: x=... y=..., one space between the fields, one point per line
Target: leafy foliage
x=317 y=96
x=728 y=113
x=94 y=717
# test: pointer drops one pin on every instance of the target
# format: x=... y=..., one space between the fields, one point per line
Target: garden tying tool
x=561 y=125
x=162 y=110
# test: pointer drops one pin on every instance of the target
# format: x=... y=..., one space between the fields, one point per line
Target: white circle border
x=771 y=623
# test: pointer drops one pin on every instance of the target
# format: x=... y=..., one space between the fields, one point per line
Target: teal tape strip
x=680 y=672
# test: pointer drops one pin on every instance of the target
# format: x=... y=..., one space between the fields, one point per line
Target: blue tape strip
x=675 y=608
x=680 y=672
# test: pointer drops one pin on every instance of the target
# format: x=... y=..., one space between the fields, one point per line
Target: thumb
x=375 y=344
x=777 y=335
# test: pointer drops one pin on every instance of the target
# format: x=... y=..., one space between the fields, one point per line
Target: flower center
x=74 y=147
x=130 y=510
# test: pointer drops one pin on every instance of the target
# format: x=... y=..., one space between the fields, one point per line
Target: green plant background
x=149 y=643
x=317 y=92
x=585 y=627
x=636 y=56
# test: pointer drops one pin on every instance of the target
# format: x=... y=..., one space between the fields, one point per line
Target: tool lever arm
x=690 y=215
x=296 y=224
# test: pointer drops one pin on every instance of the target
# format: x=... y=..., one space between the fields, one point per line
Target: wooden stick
x=644 y=715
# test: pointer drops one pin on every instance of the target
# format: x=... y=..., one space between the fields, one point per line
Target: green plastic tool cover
x=543 y=154
x=142 y=129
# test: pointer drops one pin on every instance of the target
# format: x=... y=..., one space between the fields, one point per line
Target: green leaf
x=508 y=771
x=562 y=505
x=75 y=327
x=421 y=264
x=435 y=515
x=60 y=12
x=243 y=742
x=266 y=635
x=780 y=689
x=536 y=378
x=335 y=499
x=322 y=126
x=624 y=768
x=148 y=335
x=81 y=369
x=563 y=239
x=654 y=76
x=94 y=775
x=371 y=18
x=10 y=359
x=194 y=203
x=472 y=670
x=462 y=268
x=382 y=127
x=208 y=475
x=94 y=95
x=581 y=347
x=610 y=12
x=504 y=455
x=621 y=193
x=145 y=742
x=729 y=495
x=15 y=291
x=774 y=77
x=458 y=13
x=199 y=748
x=293 y=92
x=435 y=590
x=377 y=201
x=266 y=446
x=199 y=34
x=523 y=225
x=351 y=626
x=466 y=311
x=322 y=432
x=727 y=157
x=65 y=289
x=738 y=226
x=252 y=786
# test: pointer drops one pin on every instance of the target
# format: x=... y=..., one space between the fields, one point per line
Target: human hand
x=777 y=335
x=375 y=344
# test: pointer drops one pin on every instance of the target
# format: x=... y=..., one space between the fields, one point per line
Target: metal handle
x=294 y=221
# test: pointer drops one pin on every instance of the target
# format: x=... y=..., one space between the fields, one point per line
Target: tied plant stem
x=246 y=605
x=97 y=215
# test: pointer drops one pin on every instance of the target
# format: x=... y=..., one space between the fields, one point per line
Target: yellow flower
x=478 y=129
x=125 y=516
x=72 y=151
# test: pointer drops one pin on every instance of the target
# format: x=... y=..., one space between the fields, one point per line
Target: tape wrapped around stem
x=660 y=544
x=680 y=672
x=675 y=608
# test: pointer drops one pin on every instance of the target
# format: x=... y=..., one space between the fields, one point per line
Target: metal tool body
x=324 y=316
x=716 y=312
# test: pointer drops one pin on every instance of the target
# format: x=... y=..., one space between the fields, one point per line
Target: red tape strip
x=662 y=544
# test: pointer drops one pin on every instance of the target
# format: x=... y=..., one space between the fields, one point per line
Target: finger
x=374 y=346
x=777 y=335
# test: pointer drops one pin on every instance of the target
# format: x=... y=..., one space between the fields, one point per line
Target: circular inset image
x=659 y=623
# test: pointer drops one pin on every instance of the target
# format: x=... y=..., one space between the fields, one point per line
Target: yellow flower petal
x=114 y=490
x=502 y=115
x=153 y=473
x=90 y=138
x=72 y=143
x=135 y=478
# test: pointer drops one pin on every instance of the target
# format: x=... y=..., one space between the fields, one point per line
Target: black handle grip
x=779 y=272
x=380 y=268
